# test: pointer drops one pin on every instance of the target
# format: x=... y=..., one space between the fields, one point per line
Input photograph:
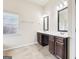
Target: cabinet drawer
x=59 y=39
x=59 y=43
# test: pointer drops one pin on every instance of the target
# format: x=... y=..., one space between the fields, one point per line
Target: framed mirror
x=46 y=23
x=63 y=20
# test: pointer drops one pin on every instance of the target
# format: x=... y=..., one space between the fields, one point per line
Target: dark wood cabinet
x=51 y=44
x=42 y=39
x=59 y=49
x=58 y=46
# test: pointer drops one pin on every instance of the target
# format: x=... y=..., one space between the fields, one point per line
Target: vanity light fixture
x=65 y=3
x=46 y=23
x=62 y=5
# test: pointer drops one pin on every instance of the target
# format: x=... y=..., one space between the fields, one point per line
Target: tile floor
x=31 y=52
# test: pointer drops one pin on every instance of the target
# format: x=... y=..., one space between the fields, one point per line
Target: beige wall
x=29 y=22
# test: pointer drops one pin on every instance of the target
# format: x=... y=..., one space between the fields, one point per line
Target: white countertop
x=61 y=34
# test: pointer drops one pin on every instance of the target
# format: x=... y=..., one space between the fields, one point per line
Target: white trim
x=20 y=46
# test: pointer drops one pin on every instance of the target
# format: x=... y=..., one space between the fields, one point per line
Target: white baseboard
x=24 y=45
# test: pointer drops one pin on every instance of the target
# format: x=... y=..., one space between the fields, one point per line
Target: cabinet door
x=59 y=50
x=39 y=38
x=51 y=44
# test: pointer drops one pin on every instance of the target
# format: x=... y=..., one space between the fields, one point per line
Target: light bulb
x=61 y=6
x=65 y=3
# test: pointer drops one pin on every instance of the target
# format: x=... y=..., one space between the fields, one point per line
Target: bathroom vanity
x=58 y=45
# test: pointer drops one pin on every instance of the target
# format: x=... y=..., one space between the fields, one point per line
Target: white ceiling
x=39 y=2
x=43 y=2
